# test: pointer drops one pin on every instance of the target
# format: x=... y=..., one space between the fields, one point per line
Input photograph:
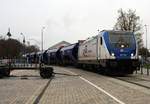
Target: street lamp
x=23 y=38
x=24 y=45
x=23 y=41
x=42 y=30
x=146 y=37
x=146 y=48
x=9 y=34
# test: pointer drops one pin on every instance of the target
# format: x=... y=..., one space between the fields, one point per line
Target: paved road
x=69 y=86
x=20 y=87
x=71 y=89
x=92 y=88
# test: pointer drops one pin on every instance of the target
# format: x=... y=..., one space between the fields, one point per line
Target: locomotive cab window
x=121 y=40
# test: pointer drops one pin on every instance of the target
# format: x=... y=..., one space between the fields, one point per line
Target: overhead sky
x=69 y=20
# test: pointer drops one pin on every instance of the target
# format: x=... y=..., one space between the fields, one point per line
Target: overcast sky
x=69 y=20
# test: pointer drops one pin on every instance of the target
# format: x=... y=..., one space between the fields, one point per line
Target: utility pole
x=8 y=55
x=146 y=49
x=41 y=56
x=23 y=45
x=42 y=30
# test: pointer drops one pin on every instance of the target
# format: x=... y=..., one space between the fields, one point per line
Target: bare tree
x=10 y=48
x=2 y=45
x=32 y=48
x=129 y=21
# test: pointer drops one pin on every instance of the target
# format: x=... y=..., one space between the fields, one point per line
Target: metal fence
x=18 y=63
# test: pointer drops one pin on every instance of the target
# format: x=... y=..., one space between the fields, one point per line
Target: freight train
x=109 y=51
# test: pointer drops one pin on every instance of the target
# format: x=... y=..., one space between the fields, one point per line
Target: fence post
x=141 y=69
x=147 y=69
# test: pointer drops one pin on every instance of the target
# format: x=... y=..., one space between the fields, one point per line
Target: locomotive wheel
x=46 y=72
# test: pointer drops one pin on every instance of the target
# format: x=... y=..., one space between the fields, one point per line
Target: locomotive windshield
x=121 y=39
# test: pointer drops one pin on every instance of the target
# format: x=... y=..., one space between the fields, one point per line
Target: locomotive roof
x=111 y=31
x=89 y=39
x=117 y=31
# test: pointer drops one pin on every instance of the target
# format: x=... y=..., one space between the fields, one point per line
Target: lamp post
x=146 y=37
x=42 y=30
x=9 y=34
x=8 y=55
x=146 y=48
x=23 y=38
x=23 y=45
x=23 y=41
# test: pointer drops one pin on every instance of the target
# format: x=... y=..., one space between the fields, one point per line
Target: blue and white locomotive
x=116 y=51
x=111 y=51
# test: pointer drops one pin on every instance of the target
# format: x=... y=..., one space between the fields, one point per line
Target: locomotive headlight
x=122 y=46
x=132 y=54
x=112 y=54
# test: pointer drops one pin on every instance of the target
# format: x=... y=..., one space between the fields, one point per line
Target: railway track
x=135 y=80
x=129 y=79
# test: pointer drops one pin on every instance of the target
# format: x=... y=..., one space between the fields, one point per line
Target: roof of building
x=60 y=44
